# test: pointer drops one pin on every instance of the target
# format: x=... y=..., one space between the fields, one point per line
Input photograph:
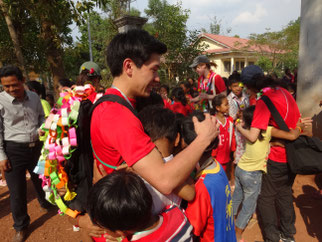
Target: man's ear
x=177 y=140
x=128 y=67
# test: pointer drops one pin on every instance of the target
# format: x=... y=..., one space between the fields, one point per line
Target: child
x=162 y=127
x=248 y=173
x=121 y=203
x=164 y=92
x=227 y=141
x=179 y=104
x=210 y=213
x=237 y=101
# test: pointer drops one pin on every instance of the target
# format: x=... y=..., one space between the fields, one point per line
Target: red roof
x=232 y=43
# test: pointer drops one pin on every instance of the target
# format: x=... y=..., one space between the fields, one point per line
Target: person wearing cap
x=210 y=84
x=277 y=182
x=89 y=73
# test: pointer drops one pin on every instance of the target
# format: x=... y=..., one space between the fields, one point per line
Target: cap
x=200 y=59
x=249 y=72
x=92 y=67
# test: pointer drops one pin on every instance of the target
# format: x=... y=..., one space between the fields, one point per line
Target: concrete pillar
x=232 y=64
x=309 y=85
x=246 y=62
x=128 y=22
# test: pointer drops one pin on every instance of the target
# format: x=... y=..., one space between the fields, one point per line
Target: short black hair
x=11 y=70
x=64 y=82
x=34 y=86
x=234 y=78
x=136 y=44
x=120 y=201
x=159 y=122
x=178 y=93
x=188 y=129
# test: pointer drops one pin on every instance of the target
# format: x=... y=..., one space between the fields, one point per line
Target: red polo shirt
x=287 y=107
x=117 y=135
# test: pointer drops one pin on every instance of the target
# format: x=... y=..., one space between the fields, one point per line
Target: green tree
x=279 y=47
x=168 y=24
x=216 y=27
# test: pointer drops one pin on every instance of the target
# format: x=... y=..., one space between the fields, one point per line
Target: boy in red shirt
x=122 y=205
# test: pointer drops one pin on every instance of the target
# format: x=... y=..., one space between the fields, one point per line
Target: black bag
x=304 y=155
x=79 y=166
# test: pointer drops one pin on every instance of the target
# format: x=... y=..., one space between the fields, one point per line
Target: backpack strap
x=115 y=99
x=276 y=115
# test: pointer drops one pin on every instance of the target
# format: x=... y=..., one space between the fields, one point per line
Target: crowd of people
x=187 y=164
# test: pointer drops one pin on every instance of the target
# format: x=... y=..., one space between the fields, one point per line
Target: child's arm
x=186 y=191
x=293 y=134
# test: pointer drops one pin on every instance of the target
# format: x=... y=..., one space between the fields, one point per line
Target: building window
x=242 y=65
x=227 y=66
x=251 y=63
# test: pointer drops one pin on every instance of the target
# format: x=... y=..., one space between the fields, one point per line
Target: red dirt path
x=52 y=227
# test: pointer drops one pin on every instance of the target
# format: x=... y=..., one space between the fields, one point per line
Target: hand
x=110 y=238
x=5 y=165
x=125 y=167
x=307 y=129
x=61 y=191
x=203 y=95
x=208 y=129
x=86 y=223
x=98 y=172
x=41 y=132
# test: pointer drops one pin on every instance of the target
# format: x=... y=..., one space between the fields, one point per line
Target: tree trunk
x=53 y=53
x=15 y=39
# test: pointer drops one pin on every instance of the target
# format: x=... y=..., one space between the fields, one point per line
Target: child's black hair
x=216 y=102
x=188 y=129
x=166 y=87
x=248 y=118
x=178 y=94
x=187 y=85
x=153 y=99
x=120 y=201
x=34 y=86
x=233 y=78
x=159 y=122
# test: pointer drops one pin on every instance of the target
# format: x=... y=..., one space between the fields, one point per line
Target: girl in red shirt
x=179 y=104
x=227 y=142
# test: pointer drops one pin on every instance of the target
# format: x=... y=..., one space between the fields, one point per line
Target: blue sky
x=242 y=16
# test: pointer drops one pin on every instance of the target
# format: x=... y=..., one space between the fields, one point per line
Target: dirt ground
x=53 y=227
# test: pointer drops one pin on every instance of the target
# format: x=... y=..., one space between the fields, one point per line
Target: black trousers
x=22 y=158
x=276 y=200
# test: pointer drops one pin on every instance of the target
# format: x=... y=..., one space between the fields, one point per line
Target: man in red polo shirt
x=277 y=182
x=117 y=134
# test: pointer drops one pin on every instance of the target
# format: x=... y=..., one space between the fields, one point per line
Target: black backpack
x=304 y=155
x=79 y=167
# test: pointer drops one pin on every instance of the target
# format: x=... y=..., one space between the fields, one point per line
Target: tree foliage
x=168 y=24
x=283 y=47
